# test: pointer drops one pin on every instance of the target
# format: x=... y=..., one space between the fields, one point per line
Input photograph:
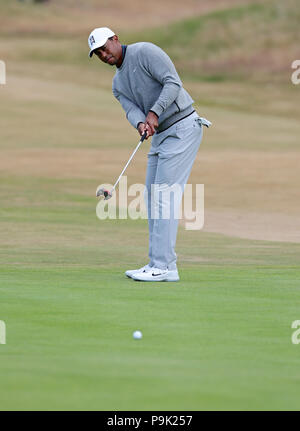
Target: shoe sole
x=155 y=281
x=131 y=276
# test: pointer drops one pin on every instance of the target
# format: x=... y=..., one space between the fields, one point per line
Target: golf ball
x=137 y=335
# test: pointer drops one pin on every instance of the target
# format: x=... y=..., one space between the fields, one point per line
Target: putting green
x=218 y=339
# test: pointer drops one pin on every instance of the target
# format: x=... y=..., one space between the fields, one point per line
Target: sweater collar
x=124 y=48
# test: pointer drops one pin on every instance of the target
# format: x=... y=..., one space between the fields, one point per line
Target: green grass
x=219 y=339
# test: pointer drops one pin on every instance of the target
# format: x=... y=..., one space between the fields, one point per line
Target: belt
x=174 y=119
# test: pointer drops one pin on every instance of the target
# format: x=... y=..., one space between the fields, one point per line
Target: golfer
x=150 y=91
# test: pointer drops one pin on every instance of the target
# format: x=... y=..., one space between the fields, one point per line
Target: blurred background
x=59 y=120
x=62 y=134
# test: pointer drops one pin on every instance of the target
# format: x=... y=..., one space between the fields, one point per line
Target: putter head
x=104 y=192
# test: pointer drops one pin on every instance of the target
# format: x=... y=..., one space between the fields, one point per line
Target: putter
x=108 y=194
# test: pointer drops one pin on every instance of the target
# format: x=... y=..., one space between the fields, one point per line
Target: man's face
x=110 y=52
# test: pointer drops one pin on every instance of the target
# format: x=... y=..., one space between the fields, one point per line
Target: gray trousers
x=170 y=161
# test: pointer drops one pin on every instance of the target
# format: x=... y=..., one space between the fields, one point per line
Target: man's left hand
x=152 y=123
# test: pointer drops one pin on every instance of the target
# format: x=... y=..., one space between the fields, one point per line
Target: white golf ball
x=137 y=335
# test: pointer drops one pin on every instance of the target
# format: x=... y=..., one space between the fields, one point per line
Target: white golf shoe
x=156 y=274
x=144 y=269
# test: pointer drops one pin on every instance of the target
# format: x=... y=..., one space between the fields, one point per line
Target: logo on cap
x=92 y=40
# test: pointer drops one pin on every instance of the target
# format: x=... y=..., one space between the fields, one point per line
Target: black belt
x=176 y=121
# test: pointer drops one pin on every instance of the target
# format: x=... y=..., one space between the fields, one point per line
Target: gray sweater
x=147 y=80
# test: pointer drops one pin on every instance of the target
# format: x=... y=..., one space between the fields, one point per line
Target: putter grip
x=144 y=136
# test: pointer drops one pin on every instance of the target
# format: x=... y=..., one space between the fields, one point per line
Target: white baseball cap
x=98 y=38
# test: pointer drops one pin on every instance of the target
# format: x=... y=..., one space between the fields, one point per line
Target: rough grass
x=74 y=17
x=251 y=40
x=257 y=41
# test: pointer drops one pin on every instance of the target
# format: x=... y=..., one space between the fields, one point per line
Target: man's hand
x=150 y=125
x=142 y=127
x=151 y=122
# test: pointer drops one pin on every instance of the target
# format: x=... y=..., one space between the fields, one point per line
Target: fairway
x=220 y=338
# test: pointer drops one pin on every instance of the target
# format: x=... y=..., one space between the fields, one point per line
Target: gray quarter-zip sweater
x=147 y=81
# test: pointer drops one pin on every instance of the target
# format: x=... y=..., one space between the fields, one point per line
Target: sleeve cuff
x=151 y=110
x=158 y=110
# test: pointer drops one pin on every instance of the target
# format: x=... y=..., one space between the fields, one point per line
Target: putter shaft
x=131 y=157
